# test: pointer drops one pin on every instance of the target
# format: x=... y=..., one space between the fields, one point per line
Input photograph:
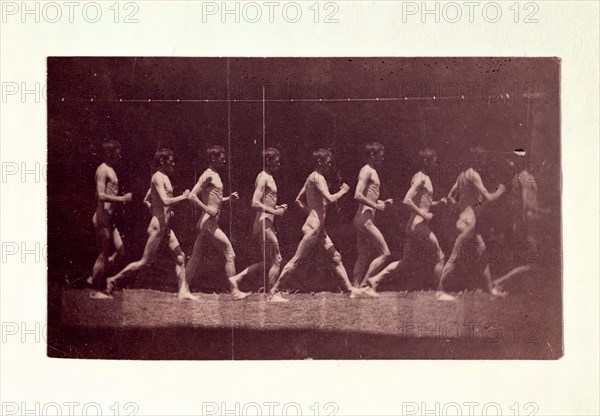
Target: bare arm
x=203 y=181
x=415 y=184
x=363 y=179
x=101 y=178
x=453 y=192
x=159 y=183
x=476 y=180
x=301 y=199
x=147 y=200
x=232 y=196
x=321 y=185
x=259 y=191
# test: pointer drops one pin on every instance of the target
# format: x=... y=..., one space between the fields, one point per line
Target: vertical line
x=265 y=266
x=229 y=152
x=229 y=178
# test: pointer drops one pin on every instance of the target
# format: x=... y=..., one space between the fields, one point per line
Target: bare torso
x=371 y=191
x=423 y=199
x=160 y=211
x=468 y=194
x=269 y=197
x=316 y=202
x=212 y=194
x=106 y=208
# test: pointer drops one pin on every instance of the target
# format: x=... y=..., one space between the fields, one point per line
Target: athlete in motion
x=471 y=194
x=107 y=234
x=313 y=199
x=207 y=194
x=419 y=199
x=368 y=237
x=161 y=200
x=264 y=201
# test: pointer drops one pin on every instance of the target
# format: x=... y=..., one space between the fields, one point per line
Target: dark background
x=134 y=101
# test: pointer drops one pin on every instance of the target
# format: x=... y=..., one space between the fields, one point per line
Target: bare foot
x=187 y=296
x=498 y=292
x=99 y=295
x=239 y=295
x=370 y=292
x=277 y=298
x=356 y=293
x=444 y=297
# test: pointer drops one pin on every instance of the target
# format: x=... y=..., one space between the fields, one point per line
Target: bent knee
x=180 y=258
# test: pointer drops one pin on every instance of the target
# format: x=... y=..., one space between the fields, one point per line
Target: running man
x=313 y=199
x=210 y=189
x=264 y=201
x=161 y=200
x=419 y=199
x=368 y=236
x=471 y=195
x=107 y=234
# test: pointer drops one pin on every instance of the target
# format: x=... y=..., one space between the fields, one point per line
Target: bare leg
x=338 y=266
x=519 y=270
x=389 y=269
x=383 y=251
x=272 y=256
x=98 y=277
x=222 y=243
x=155 y=235
x=184 y=288
x=466 y=227
x=439 y=264
x=193 y=265
x=119 y=252
x=363 y=255
x=306 y=244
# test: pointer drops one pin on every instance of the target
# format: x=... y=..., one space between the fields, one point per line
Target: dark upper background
x=93 y=99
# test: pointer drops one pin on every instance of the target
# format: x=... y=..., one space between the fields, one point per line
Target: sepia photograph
x=304 y=208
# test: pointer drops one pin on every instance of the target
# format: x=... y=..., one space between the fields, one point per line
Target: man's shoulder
x=315 y=177
x=103 y=168
x=420 y=177
x=158 y=176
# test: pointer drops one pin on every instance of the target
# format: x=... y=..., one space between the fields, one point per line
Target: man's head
x=322 y=160
x=112 y=151
x=272 y=159
x=164 y=161
x=215 y=156
x=428 y=159
x=374 y=152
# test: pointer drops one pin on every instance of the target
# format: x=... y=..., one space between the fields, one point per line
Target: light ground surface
x=320 y=325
